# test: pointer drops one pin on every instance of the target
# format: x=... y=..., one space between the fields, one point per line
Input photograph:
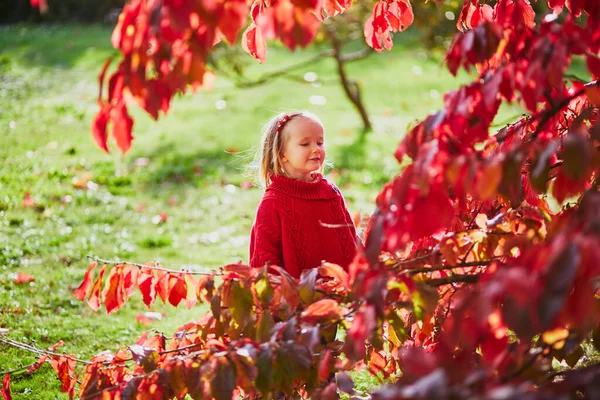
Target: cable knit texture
x=300 y=224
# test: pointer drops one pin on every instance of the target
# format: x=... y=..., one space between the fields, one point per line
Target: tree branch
x=40 y=352
x=419 y=258
x=351 y=88
x=357 y=55
x=283 y=71
x=447 y=267
x=19 y=369
x=154 y=267
x=565 y=102
x=452 y=279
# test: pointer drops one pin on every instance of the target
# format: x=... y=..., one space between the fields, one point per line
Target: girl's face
x=304 y=148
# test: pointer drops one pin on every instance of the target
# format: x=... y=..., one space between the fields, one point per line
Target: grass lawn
x=91 y=203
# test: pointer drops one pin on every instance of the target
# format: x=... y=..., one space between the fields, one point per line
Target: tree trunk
x=351 y=87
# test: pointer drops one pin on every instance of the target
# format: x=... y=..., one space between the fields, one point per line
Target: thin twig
x=452 y=279
x=154 y=267
x=412 y=260
x=565 y=102
x=284 y=71
x=448 y=266
x=33 y=349
x=191 y=346
x=12 y=371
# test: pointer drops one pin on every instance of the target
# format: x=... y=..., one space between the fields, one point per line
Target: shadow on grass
x=54 y=46
x=169 y=166
x=353 y=156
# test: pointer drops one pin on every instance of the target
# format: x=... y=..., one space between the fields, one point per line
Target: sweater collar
x=319 y=188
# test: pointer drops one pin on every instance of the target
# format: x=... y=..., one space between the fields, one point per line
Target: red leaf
x=113 y=290
x=289 y=288
x=293 y=25
x=400 y=15
x=28 y=200
x=393 y=16
x=514 y=13
x=563 y=187
x=556 y=5
x=177 y=289
x=38 y=364
x=322 y=311
x=6 y=388
x=116 y=83
x=325 y=365
x=424 y=222
x=194 y=68
x=58 y=344
x=82 y=291
x=334 y=7
x=473 y=14
x=156 y=341
x=336 y=272
x=99 y=125
x=254 y=43
x=94 y=299
x=23 y=278
x=122 y=126
x=232 y=18
x=147 y=288
x=359 y=333
x=223 y=379
x=146 y=357
x=162 y=284
x=101 y=78
x=377 y=362
x=163 y=217
x=64 y=367
x=240 y=269
x=130 y=278
x=593 y=64
x=310 y=4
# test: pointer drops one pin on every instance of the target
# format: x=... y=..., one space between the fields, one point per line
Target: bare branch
x=483 y=263
x=40 y=352
x=452 y=279
x=283 y=71
x=19 y=369
x=548 y=114
x=154 y=267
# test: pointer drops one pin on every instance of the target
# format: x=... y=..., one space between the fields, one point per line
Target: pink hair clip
x=284 y=120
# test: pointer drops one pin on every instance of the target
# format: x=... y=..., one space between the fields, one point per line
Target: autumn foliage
x=481 y=264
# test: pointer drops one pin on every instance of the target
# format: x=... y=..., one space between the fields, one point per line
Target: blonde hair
x=268 y=158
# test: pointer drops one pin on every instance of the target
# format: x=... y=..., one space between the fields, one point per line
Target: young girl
x=302 y=218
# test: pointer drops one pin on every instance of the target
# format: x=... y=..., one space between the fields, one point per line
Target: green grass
x=181 y=165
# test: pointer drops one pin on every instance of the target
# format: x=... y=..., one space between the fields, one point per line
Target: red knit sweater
x=293 y=228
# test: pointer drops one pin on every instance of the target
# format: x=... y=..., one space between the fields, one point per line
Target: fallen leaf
x=146 y=318
x=23 y=278
x=28 y=200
